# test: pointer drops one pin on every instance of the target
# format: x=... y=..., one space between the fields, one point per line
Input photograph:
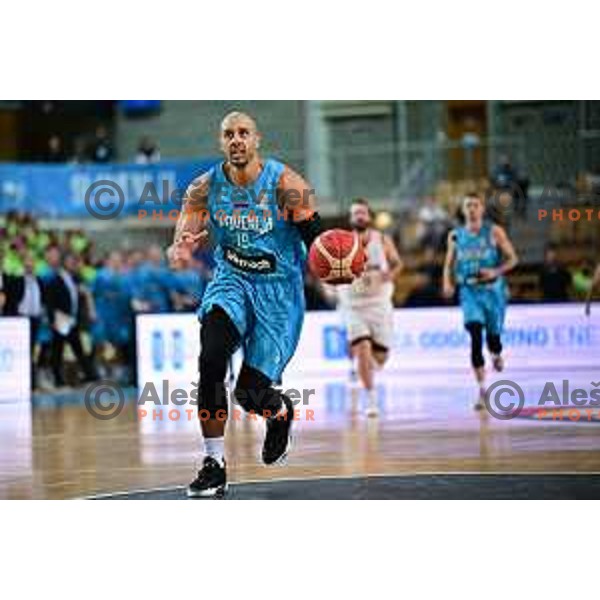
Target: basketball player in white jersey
x=367 y=303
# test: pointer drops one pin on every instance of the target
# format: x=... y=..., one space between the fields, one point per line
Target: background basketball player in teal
x=478 y=257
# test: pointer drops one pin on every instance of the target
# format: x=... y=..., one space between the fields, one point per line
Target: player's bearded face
x=239 y=142
x=359 y=217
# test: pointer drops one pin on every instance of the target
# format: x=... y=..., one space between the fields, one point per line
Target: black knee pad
x=218 y=340
x=476 y=332
x=253 y=392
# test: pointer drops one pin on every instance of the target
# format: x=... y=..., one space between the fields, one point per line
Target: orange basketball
x=337 y=256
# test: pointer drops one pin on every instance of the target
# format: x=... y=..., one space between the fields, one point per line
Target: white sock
x=372 y=397
x=215 y=448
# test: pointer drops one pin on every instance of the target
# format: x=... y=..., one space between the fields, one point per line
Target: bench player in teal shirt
x=263 y=219
x=478 y=257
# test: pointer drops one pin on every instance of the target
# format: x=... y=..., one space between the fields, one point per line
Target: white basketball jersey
x=370 y=286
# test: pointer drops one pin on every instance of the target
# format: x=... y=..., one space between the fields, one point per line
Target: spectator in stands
x=582 y=279
x=55 y=152
x=13 y=223
x=189 y=284
x=132 y=262
x=114 y=316
x=433 y=224
x=507 y=177
x=61 y=295
x=31 y=307
x=79 y=156
x=11 y=290
x=555 y=279
x=89 y=269
x=426 y=291
x=147 y=152
x=151 y=283
x=102 y=151
x=76 y=241
x=13 y=263
x=504 y=175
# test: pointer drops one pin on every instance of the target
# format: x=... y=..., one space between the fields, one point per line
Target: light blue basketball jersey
x=481 y=302
x=252 y=235
x=260 y=257
x=474 y=251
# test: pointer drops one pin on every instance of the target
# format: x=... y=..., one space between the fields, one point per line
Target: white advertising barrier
x=425 y=340
x=434 y=340
x=168 y=346
x=15 y=362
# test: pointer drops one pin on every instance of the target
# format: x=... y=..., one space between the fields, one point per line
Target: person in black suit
x=11 y=289
x=63 y=303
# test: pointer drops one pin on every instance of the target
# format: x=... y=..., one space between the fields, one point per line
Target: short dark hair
x=473 y=194
x=362 y=202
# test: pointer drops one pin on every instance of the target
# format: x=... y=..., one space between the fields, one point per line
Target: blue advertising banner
x=101 y=191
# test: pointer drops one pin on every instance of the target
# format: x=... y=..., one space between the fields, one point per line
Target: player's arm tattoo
x=295 y=194
x=191 y=227
x=511 y=260
x=193 y=218
x=298 y=200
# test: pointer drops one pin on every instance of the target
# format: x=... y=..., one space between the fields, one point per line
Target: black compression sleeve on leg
x=219 y=339
x=309 y=229
x=476 y=332
x=494 y=343
x=253 y=392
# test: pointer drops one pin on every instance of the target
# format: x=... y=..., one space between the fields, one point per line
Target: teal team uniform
x=112 y=297
x=258 y=280
x=483 y=303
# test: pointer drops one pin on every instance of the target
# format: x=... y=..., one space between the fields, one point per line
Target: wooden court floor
x=60 y=452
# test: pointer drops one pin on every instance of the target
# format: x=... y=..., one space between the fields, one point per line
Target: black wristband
x=309 y=229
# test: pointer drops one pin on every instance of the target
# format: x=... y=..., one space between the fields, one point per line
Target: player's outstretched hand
x=195 y=240
x=180 y=253
x=487 y=275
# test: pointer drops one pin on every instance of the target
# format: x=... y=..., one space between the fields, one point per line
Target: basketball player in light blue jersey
x=478 y=257
x=263 y=218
